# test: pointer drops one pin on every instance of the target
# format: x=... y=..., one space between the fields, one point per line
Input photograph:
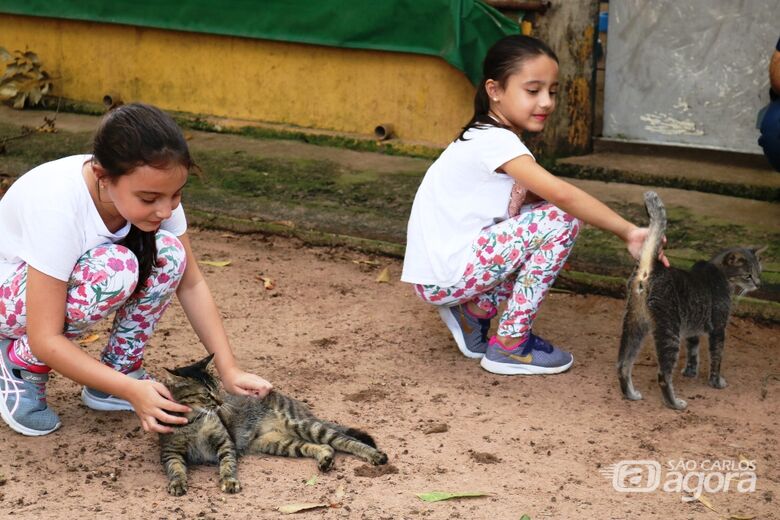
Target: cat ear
x=204 y=363
x=173 y=377
x=757 y=250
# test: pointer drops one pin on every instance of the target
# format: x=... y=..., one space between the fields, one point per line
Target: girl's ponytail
x=144 y=247
x=481 y=117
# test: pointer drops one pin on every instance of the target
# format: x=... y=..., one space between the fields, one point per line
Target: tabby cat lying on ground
x=223 y=427
x=674 y=305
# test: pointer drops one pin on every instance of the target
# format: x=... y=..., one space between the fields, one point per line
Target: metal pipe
x=383 y=131
x=112 y=100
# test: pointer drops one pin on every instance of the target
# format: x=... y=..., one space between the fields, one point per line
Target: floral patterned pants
x=102 y=282
x=516 y=260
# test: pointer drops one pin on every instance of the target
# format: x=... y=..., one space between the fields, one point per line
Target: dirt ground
x=371 y=355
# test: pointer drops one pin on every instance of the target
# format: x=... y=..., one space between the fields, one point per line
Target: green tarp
x=459 y=31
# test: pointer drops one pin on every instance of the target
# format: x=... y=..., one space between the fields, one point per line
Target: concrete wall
x=311 y=86
x=690 y=73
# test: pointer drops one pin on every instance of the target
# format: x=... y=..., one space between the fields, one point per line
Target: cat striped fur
x=675 y=305
x=223 y=427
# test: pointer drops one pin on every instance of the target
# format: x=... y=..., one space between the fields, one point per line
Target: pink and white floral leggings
x=102 y=282
x=516 y=260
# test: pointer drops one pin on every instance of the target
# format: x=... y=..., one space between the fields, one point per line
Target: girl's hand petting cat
x=635 y=239
x=151 y=401
x=238 y=382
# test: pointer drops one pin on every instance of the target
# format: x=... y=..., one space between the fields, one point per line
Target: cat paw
x=177 y=487
x=718 y=382
x=325 y=464
x=677 y=404
x=230 y=485
x=633 y=395
x=690 y=372
x=378 y=458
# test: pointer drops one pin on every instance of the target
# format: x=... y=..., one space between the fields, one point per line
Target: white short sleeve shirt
x=460 y=194
x=48 y=220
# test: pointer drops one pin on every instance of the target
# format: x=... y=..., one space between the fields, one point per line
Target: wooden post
x=569 y=28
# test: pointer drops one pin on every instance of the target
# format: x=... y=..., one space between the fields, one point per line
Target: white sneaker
x=101 y=401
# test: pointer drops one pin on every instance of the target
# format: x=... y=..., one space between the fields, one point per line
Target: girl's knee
x=169 y=244
x=171 y=255
x=573 y=225
x=568 y=223
x=113 y=263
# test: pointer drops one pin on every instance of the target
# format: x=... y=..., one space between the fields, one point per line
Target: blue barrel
x=603 y=22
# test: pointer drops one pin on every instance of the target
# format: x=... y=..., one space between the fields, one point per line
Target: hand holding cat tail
x=150 y=401
x=636 y=239
x=238 y=382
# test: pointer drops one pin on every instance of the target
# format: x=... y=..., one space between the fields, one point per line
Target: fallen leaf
x=215 y=263
x=366 y=262
x=525 y=517
x=89 y=339
x=285 y=223
x=312 y=481
x=744 y=459
x=436 y=496
x=384 y=276
x=706 y=501
x=288 y=509
x=741 y=517
x=340 y=492
x=228 y=235
x=268 y=283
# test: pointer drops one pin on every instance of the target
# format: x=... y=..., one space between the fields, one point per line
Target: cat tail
x=355 y=433
x=361 y=436
x=654 y=240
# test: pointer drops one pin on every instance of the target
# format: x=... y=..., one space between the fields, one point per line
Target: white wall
x=689 y=72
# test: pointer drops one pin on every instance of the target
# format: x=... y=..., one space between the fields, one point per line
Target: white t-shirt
x=459 y=196
x=49 y=220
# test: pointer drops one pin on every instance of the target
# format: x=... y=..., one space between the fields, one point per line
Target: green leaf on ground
x=436 y=496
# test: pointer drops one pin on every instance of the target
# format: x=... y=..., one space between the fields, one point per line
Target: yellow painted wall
x=311 y=86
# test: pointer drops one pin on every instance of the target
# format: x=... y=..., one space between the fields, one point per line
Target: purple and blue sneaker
x=469 y=331
x=533 y=356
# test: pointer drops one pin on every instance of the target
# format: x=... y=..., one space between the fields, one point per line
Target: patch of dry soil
x=372 y=356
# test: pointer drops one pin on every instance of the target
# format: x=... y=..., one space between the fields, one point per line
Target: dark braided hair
x=503 y=59
x=136 y=135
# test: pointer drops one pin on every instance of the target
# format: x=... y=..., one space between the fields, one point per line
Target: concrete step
x=711 y=171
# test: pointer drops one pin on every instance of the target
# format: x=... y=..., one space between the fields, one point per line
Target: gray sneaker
x=470 y=332
x=23 y=398
x=101 y=401
x=534 y=356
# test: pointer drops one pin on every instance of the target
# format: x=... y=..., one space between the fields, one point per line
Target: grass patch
x=36 y=148
x=308 y=183
x=311 y=198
